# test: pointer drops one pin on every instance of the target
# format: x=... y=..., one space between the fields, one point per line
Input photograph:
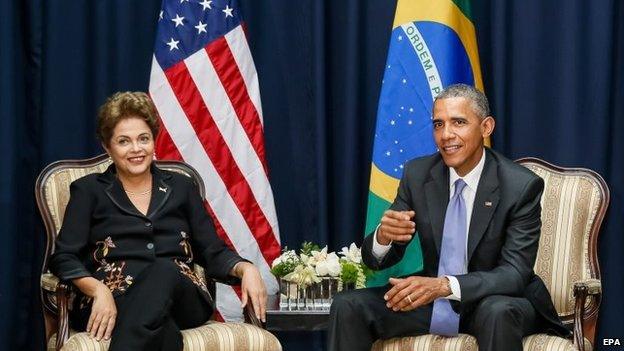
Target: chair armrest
x=49 y=282
x=63 y=291
x=250 y=316
x=593 y=286
x=53 y=286
x=581 y=290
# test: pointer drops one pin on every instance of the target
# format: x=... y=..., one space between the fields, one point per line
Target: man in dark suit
x=478 y=220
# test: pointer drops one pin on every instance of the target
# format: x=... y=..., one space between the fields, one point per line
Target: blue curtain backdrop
x=552 y=69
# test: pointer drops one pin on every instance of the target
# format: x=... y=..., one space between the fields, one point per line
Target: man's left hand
x=409 y=293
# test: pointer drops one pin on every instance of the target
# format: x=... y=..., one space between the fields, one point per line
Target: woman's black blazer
x=105 y=236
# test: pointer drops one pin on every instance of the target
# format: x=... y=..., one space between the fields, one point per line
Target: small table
x=281 y=319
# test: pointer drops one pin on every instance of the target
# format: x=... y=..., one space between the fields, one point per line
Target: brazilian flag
x=433 y=45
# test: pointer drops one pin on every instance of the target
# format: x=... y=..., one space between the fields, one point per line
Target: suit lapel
x=161 y=190
x=437 y=195
x=118 y=196
x=485 y=203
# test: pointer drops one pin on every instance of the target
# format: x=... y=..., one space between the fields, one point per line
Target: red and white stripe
x=211 y=116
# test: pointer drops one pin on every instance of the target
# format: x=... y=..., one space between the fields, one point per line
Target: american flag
x=205 y=87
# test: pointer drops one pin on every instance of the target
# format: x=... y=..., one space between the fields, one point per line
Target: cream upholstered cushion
x=542 y=342
x=211 y=336
x=465 y=342
x=570 y=205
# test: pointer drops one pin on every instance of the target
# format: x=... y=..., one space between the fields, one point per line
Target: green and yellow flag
x=433 y=45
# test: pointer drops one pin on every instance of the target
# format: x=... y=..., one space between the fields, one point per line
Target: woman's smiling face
x=131 y=147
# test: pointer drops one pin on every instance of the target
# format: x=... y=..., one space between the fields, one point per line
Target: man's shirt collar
x=472 y=178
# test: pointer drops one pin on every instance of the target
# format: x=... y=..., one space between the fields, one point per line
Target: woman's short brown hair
x=125 y=105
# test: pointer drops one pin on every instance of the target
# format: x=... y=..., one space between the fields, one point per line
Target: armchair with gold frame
x=52 y=194
x=574 y=204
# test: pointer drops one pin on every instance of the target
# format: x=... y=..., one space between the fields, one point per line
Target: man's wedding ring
x=409 y=298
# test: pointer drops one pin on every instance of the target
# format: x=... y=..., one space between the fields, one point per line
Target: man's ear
x=487 y=126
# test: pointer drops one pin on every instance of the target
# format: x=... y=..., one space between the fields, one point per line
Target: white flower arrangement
x=314 y=263
x=303 y=275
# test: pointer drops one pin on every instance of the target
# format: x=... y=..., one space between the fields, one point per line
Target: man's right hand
x=396 y=226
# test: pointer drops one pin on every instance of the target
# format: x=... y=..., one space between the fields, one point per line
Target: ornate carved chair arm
x=63 y=292
x=593 y=286
x=250 y=316
x=248 y=312
x=49 y=282
x=581 y=290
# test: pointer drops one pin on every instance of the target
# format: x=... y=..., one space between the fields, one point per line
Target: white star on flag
x=173 y=44
x=181 y=1
x=228 y=11
x=160 y=16
x=178 y=20
x=201 y=27
x=206 y=5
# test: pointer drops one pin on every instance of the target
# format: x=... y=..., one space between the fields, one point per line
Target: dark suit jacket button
x=148 y=224
x=150 y=246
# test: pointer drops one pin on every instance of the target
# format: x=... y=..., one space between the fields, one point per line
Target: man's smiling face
x=459 y=132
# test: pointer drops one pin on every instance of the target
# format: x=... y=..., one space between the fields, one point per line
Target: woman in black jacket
x=131 y=235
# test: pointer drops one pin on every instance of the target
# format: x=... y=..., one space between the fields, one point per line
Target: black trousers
x=159 y=303
x=359 y=317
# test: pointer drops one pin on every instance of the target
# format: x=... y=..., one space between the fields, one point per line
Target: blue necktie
x=444 y=321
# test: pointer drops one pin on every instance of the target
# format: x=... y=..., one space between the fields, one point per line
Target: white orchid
x=303 y=275
x=352 y=254
x=330 y=266
x=317 y=256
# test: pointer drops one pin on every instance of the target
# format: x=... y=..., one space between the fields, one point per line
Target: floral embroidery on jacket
x=115 y=279
x=187 y=271
x=101 y=249
x=186 y=246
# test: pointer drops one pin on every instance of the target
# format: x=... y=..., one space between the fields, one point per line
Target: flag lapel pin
x=164 y=190
x=488 y=204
